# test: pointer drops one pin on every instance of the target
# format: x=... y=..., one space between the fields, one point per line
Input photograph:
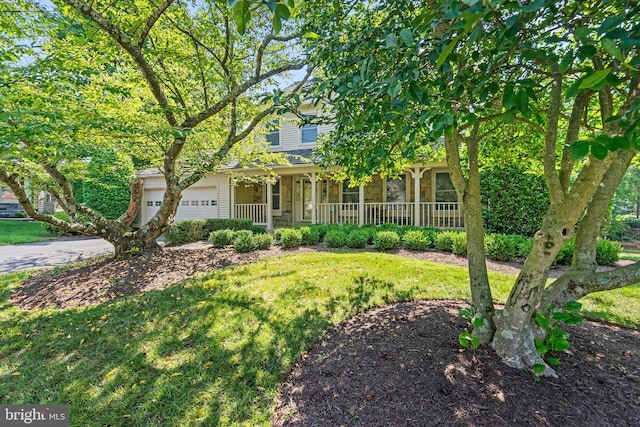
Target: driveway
x=49 y=254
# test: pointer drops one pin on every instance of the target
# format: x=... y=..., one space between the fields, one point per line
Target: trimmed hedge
x=357 y=239
x=221 y=238
x=514 y=200
x=243 y=241
x=290 y=237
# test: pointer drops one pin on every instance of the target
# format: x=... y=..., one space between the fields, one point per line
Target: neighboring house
x=10 y=207
x=303 y=193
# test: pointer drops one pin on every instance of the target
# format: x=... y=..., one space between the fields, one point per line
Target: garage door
x=195 y=203
x=198 y=203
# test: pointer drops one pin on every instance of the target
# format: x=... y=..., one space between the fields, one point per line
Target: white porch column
x=361 y=205
x=269 y=206
x=314 y=196
x=416 y=195
x=232 y=198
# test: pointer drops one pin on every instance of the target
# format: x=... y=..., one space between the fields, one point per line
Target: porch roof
x=295 y=157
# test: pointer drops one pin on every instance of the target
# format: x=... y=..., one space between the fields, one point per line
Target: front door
x=302 y=200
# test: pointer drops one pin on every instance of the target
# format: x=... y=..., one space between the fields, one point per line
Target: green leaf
x=542 y=321
x=407 y=37
x=538 y=368
x=566 y=62
x=558 y=344
x=533 y=6
x=582 y=33
x=478 y=322
x=271 y=4
x=573 y=319
x=609 y=23
x=611 y=48
x=283 y=11
x=572 y=307
x=599 y=151
x=594 y=79
x=466 y=314
x=241 y=15
x=277 y=23
x=560 y=316
x=446 y=52
x=541 y=348
x=554 y=361
x=579 y=149
x=509 y=116
x=391 y=40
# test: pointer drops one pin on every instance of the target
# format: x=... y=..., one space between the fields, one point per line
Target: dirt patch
x=401 y=365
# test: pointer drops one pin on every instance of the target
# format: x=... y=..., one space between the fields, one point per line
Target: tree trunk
x=515 y=325
x=131 y=243
x=468 y=190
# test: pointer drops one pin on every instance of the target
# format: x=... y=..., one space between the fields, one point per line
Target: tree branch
x=151 y=21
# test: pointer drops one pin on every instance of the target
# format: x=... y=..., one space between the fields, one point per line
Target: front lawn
x=12 y=232
x=214 y=349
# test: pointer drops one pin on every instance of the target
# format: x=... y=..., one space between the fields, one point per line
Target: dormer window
x=273 y=133
x=309 y=133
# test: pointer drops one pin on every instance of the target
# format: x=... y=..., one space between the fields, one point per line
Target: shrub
x=221 y=238
x=389 y=226
x=335 y=238
x=386 y=240
x=500 y=247
x=416 y=240
x=459 y=246
x=431 y=233
x=405 y=228
x=525 y=247
x=290 y=237
x=263 y=240
x=243 y=241
x=357 y=239
x=348 y=228
x=186 y=231
x=258 y=229
x=320 y=230
x=607 y=252
x=213 y=224
x=57 y=231
x=444 y=241
x=309 y=236
x=566 y=253
x=371 y=230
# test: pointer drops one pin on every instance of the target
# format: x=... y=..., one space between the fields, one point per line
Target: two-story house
x=303 y=193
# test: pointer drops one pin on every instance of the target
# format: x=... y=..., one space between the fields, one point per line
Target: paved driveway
x=49 y=254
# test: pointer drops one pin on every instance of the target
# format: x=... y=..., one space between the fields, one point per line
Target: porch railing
x=255 y=211
x=432 y=214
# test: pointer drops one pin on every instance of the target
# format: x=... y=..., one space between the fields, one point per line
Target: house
x=303 y=193
x=10 y=207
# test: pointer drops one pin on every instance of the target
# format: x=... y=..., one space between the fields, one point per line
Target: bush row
x=193 y=230
x=245 y=237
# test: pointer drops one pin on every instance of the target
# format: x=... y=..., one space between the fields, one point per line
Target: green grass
x=214 y=349
x=12 y=232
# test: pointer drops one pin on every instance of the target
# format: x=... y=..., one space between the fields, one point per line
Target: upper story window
x=445 y=191
x=273 y=133
x=309 y=133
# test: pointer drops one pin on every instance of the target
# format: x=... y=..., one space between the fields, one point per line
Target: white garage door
x=198 y=203
x=195 y=203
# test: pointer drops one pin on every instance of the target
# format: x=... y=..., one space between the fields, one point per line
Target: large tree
x=178 y=84
x=402 y=75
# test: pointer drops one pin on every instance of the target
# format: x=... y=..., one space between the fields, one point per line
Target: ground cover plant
x=213 y=350
x=12 y=232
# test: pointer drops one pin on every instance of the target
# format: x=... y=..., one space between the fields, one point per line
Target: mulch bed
x=396 y=365
x=401 y=365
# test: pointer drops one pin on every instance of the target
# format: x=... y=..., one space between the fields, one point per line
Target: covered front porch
x=422 y=196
